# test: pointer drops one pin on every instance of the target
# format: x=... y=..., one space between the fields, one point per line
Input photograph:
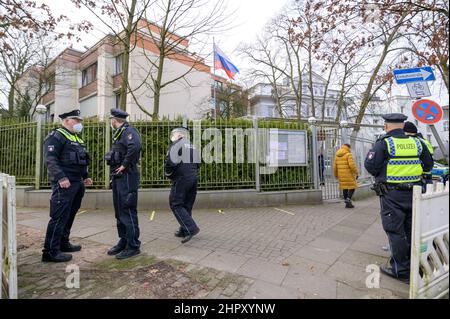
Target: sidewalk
x=317 y=251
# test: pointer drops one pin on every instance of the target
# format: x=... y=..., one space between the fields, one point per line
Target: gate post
x=256 y=151
x=107 y=148
x=313 y=121
x=40 y=110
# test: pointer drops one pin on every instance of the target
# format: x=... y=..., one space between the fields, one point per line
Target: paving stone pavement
x=310 y=251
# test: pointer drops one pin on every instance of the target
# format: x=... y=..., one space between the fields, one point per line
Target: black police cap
x=410 y=128
x=394 y=118
x=120 y=114
x=75 y=114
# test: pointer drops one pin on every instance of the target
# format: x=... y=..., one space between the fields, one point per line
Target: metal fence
x=8 y=246
x=21 y=154
x=330 y=139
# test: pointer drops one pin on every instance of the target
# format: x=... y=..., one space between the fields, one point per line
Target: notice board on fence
x=287 y=148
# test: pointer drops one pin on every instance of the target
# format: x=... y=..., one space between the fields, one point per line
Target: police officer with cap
x=411 y=130
x=123 y=160
x=397 y=162
x=67 y=161
x=181 y=167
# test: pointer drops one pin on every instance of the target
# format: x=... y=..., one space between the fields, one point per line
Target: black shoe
x=128 y=253
x=69 y=248
x=180 y=233
x=189 y=237
x=348 y=204
x=387 y=270
x=115 y=250
x=56 y=257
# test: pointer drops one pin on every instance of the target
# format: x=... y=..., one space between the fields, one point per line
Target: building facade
x=91 y=80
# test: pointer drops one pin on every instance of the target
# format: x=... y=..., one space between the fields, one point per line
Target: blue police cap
x=75 y=114
x=120 y=114
x=394 y=118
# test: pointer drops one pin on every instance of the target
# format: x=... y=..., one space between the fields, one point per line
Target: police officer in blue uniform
x=411 y=130
x=181 y=167
x=67 y=161
x=397 y=162
x=123 y=160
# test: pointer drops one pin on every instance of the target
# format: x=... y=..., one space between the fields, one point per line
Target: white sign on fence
x=8 y=246
x=429 y=249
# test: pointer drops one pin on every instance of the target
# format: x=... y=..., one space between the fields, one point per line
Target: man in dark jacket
x=123 y=160
x=181 y=167
x=67 y=161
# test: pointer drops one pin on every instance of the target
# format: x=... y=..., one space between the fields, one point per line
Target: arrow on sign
x=414 y=75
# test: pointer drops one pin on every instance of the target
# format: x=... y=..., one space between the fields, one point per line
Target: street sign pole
x=439 y=141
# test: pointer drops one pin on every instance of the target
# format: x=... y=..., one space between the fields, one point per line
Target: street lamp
x=344 y=124
x=41 y=109
x=312 y=120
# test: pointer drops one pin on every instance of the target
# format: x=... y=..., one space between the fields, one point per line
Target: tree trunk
x=126 y=58
x=11 y=99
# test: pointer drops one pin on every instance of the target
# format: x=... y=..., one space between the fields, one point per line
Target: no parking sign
x=427 y=111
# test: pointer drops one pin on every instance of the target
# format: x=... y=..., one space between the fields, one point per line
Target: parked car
x=440 y=173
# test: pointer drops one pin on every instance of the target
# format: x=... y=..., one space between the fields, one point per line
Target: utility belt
x=382 y=189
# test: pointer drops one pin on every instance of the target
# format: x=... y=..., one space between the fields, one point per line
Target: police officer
x=397 y=162
x=123 y=160
x=181 y=167
x=411 y=130
x=67 y=161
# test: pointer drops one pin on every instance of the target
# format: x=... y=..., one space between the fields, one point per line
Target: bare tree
x=120 y=17
x=178 y=23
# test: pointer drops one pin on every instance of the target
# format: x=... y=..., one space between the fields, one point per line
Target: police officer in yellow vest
x=397 y=162
x=67 y=161
x=411 y=130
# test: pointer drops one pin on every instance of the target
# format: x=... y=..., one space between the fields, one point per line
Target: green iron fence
x=19 y=153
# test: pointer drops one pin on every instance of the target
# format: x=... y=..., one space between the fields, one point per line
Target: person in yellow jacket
x=345 y=170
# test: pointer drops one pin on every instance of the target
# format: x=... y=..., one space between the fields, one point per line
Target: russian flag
x=222 y=62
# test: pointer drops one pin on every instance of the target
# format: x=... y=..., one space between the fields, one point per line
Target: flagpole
x=214 y=80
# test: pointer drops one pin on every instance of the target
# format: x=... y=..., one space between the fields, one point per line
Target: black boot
x=57 y=257
x=69 y=248
x=128 y=253
x=348 y=203
x=180 y=234
x=115 y=250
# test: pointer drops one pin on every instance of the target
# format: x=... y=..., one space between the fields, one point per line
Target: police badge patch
x=51 y=148
x=371 y=155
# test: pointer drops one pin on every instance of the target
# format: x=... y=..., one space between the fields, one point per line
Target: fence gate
x=8 y=249
x=329 y=141
x=429 y=250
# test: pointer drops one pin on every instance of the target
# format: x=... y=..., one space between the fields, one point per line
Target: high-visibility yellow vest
x=428 y=144
x=70 y=137
x=404 y=165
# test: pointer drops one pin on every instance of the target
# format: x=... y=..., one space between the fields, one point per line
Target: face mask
x=78 y=127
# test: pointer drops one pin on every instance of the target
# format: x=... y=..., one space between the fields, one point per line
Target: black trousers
x=181 y=200
x=396 y=217
x=64 y=204
x=348 y=193
x=125 y=198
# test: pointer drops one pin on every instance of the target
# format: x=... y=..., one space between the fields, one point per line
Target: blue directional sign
x=404 y=76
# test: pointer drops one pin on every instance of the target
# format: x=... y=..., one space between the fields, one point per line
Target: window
x=117 y=100
x=49 y=84
x=328 y=112
x=446 y=124
x=416 y=122
x=402 y=109
x=89 y=75
x=375 y=122
x=118 y=62
x=429 y=137
x=446 y=114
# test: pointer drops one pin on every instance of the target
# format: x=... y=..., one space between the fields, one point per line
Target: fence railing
x=8 y=246
x=430 y=243
x=21 y=155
